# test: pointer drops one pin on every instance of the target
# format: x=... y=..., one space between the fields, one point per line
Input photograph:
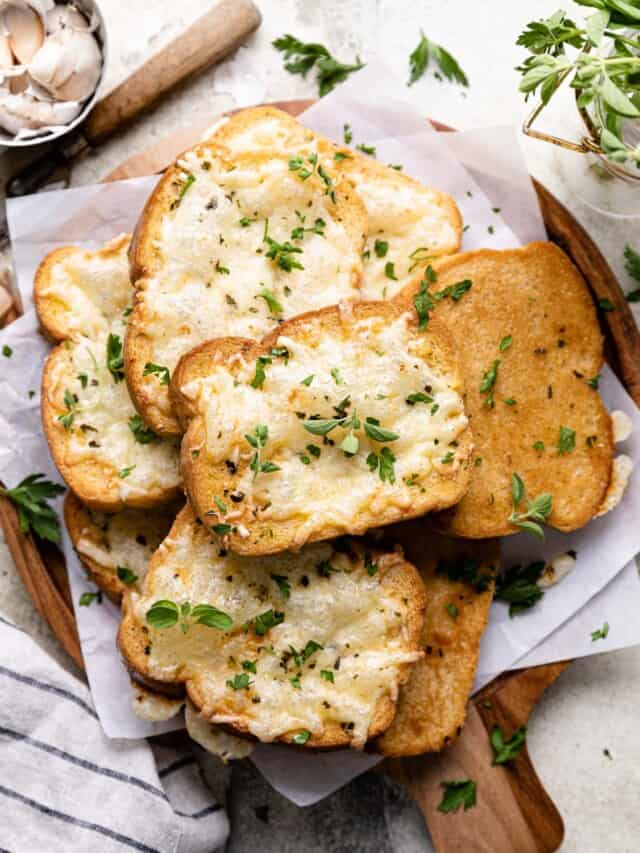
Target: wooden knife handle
x=208 y=40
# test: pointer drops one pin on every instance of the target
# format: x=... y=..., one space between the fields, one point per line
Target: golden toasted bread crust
x=535 y=297
x=432 y=704
x=147 y=259
x=93 y=538
x=137 y=641
x=441 y=486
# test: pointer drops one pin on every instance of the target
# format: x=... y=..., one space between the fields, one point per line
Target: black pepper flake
x=232 y=467
x=578 y=375
x=561 y=343
x=540 y=351
x=237 y=497
x=549 y=392
x=140 y=539
x=304 y=580
x=147 y=650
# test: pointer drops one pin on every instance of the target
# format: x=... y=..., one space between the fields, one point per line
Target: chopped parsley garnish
x=219 y=268
x=427 y=50
x=335 y=375
x=272 y=302
x=220 y=504
x=594 y=382
x=505 y=343
x=606 y=305
x=258 y=439
x=83 y=379
x=126 y=575
x=537 y=510
x=452 y=610
x=282 y=255
x=632 y=266
x=456 y=794
x=7 y=352
x=327 y=675
x=488 y=383
x=375 y=432
x=389 y=271
x=317 y=228
x=381 y=247
x=518 y=586
x=420 y=255
x=347 y=134
x=123 y=473
x=506 y=750
x=70 y=401
x=263 y=360
x=222 y=528
x=141 y=433
x=370 y=567
x=383 y=463
x=448 y=458
x=465 y=569
x=419 y=397
x=115 y=357
x=329 y=189
x=303 y=56
x=187 y=183
x=283 y=585
x=268 y=619
x=35 y=515
x=249 y=666
x=566 y=440
x=339 y=156
x=601 y=633
x=510 y=401
x=308 y=380
x=423 y=303
x=167 y=614
x=245 y=222
x=301 y=737
x=539 y=446
x=239 y=682
x=87 y=598
x=161 y=372
x=366 y=149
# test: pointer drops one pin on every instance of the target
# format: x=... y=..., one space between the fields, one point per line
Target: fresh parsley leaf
x=366 y=149
x=115 y=357
x=123 y=473
x=425 y=51
x=163 y=614
x=566 y=440
x=377 y=433
x=339 y=156
x=301 y=737
x=250 y=666
x=381 y=247
x=35 y=515
x=188 y=182
x=347 y=134
x=284 y=586
x=452 y=610
x=162 y=373
x=370 y=567
x=448 y=458
x=606 y=305
x=327 y=675
x=489 y=380
x=322 y=426
x=465 y=569
x=632 y=262
x=423 y=302
x=282 y=255
x=7 y=352
x=537 y=510
x=70 y=401
x=126 y=575
x=507 y=750
x=601 y=633
x=518 y=586
x=383 y=463
x=389 y=271
x=239 y=682
x=268 y=619
x=308 y=380
x=141 y=433
x=594 y=382
x=419 y=397
x=87 y=598
x=303 y=56
x=222 y=528
x=456 y=794
x=258 y=440
x=505 y=343
x=205 y=614
x=539 y=446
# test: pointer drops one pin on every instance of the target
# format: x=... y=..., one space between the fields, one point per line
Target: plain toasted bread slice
x=341 y=420
x=231 y=246
x=115 y=549
x=314 y=648
x=531 y=350
x=458 y=580
x=407 y=221
x=99 y=443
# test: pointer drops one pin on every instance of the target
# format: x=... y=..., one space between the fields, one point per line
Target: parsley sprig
x=537 y=510
x=518 y=586
x=303 y=56
x=263 y=360
x=115 y=357
x=632 y=266
x=456 y=794
x=428 y=50
x=258 y=440
x=505 y=751
x=35 y=515
x=167 y=614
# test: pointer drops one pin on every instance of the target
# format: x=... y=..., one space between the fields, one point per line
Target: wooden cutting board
x=514 y=814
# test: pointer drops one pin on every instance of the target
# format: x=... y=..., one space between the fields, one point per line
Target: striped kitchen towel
x=65 y=786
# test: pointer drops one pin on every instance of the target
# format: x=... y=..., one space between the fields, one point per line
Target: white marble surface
x=594 y=704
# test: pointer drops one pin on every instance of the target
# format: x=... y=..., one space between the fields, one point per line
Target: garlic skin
x=68 y=65
x=61 y=17
x=23 y=112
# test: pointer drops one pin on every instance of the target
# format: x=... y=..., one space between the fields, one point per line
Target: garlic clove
x=18 y=83
x=23 y=112
x=6 y=57
x=68 y=65
x=25 y=31
x=65 y=16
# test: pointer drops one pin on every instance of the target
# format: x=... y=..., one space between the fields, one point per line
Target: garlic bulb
x=68 y=64
x=24 y=112
x=24 y=29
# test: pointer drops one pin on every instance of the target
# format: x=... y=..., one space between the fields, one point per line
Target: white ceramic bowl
x=91 y=10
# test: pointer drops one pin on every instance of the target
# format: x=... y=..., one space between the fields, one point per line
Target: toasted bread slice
x=230 y=246
x=432 y=704
x=320 y=643
x=115 y=549
x=100 y=445
x=407 y=220
x=528 y=335
x=341 y=420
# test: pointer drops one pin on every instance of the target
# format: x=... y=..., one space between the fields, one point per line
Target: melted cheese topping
x=374 y=363
x=213 y=268
x=621 y=470
x=153 y=707
x=358 y=624
x=403 y=213
x=100 y=429
x=92 y=288
x=126 y=539
x=214 y=739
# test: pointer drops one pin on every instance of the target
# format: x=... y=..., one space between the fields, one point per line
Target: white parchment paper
x=485 y=172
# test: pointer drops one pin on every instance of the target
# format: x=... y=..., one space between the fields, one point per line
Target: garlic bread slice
x=307 y=647
x=231 y=246
x=341 y=420
x=407 y=221
x=530 y=353
x=115 y=549
x=99 y=443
